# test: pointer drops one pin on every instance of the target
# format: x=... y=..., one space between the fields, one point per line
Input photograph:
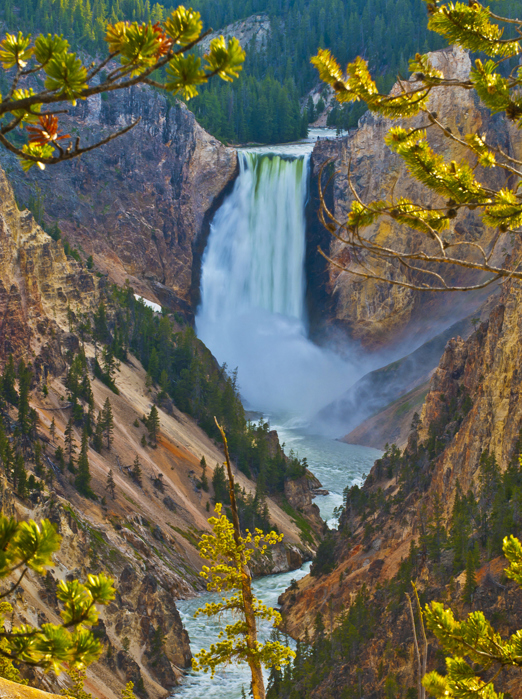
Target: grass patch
x=307 y=533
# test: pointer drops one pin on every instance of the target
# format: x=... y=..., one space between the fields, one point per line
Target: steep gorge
x=141 y=206
x=146 y=537
x=473 y=408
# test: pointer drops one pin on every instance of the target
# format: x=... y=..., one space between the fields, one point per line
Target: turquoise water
x=336 y=465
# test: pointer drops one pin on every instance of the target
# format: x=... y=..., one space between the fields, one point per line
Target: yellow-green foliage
x=473 y=646
x=229 y=559
x=28 y=546
x=476 y=28
x=141 y=50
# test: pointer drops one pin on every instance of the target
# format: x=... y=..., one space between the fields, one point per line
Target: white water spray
x=252 y=314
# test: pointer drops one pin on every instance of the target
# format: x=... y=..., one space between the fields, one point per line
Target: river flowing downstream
x=336 y=465
x=253 y=316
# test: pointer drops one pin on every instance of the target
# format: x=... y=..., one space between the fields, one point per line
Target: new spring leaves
x=229 y=557
x=460 y=186
x=26 y=546
x=137 y=52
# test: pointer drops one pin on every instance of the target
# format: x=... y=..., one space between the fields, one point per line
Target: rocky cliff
x=471 y=422
x=146 y=536
x=377 y=314
x=141 y=206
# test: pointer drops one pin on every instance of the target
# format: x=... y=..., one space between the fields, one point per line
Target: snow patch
x=150 y=304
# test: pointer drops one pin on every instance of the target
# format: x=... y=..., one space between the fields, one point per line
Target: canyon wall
x=473 y=407
x=146 y=536
x=375 y=313
x=142 y=204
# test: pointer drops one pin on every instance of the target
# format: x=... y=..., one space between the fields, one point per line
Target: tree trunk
x=258 y=684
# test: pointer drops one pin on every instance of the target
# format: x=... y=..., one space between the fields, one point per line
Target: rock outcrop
x=254 y=29
x=39 y=285
x=374 y=313
x=11 y=690
x=142 y=204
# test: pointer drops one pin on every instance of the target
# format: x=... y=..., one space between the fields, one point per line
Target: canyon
x=142 y=208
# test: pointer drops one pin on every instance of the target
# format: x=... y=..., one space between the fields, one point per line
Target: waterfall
x=255 y=254
x=252 y=314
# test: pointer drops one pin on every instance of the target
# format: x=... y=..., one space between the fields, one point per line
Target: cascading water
x=252 y=314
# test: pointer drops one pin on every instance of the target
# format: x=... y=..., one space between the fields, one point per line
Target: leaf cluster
x=138 y=50
x=26 y=546
x=474 y=647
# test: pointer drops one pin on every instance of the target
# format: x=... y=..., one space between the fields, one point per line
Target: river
x=336 y=465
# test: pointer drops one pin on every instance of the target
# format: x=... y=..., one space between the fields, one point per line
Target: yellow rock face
x=377 y=314
x=10 y=690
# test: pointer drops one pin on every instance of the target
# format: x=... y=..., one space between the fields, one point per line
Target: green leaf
x=225 y=60
x=66 y=75
x=184 y=74
x=35 y=544
x=101 y=588
x=15 y=50
x=37 y=151
x=469 y=26
x=49 y=47
x=183 y=26
x=513 y=552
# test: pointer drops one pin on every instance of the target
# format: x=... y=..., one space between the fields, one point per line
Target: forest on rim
x=265 y=104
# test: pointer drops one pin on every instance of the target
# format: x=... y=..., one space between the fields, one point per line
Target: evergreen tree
x=111 y=485
x=107 y=421
x=52 y=430
x=153 y=425
x=83 y=476
x=136 y=470
x=70 y=443
x=204 y=479
x=470 y=584
x=60 y=458
x=220 y=485
x=8 y=382
x=20 y=477
x=492 y=187
x=98 y=433
x=28 y=546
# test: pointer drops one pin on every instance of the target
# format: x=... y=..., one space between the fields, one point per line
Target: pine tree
x=108 y=423
x=220 y=485
x=70 y=442
x=20 y=477
x=52 y=430
x=153 y=425
x=98 y=433
x=60 y=458
x=83 y=477
x=8 y=382
x=136 y=470
x=111 y=485
x=204 y=479
x=493 y=188
x=471 y=580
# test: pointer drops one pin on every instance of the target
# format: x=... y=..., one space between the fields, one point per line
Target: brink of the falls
x=252 y=314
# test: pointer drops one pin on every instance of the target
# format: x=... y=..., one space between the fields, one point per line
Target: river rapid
x=337 y=465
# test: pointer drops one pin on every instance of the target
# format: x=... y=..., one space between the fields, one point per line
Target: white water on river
x=337 y=465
